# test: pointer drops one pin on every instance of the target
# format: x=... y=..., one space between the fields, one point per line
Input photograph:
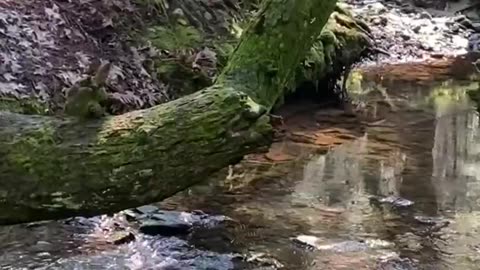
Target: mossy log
x=343 y=39
x=52 y=168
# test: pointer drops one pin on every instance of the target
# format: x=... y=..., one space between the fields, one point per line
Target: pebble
x=417 y=29
x=455 y=28
x=381 y=20
x=405 y=36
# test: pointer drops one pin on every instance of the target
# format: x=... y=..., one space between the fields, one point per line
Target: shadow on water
x=419 y=142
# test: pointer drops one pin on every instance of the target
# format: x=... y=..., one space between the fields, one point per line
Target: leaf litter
x=48 y=45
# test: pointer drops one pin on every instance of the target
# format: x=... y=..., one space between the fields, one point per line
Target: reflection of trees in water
x=334 y=178
x=346 y=177
x=455 y=158
x=441 y=170
x=456 y=172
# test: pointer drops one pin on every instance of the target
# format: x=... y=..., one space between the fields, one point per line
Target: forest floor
x=160 y=50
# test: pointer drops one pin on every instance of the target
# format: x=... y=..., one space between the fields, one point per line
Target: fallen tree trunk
x=53 y=168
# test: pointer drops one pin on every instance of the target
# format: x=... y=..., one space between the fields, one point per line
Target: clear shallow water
x=421 y=143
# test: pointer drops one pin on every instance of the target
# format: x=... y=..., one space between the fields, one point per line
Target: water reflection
x=422 y=145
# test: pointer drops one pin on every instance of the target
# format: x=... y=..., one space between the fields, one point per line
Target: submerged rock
x=431 y=220
x=344 y=246
x=396 y=264
x=154 y=221
x=308 y=241
x=166 y=225
x=393 y=200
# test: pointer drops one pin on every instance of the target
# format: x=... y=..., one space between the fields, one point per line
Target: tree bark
x=52 y=168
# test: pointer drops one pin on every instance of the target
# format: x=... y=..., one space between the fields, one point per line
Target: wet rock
x=37 y=224
x=121 y=237
x=147 y=209
x=377 y=7
x=437 y=55
x=380 y=20
x=409 y=241
x=476 y=27
x=396 y=264
x=409 y=10
x=166 y=223
x=308 y=241
x=347 y=246
x=393 y=200
x=44 y=255
x=170 y=223
x=426 y=47
x=417 y=29
x=314 y=242
x=434 y=224
x=264 y=260
x=474 y=43
x=455 y=28
x=460 y=18
x=405 y=36
x=82 y=222
x=43 y=244
x=465 y=22
x=130 y=215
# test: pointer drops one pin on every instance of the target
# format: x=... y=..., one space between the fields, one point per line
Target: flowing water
x=350 y=208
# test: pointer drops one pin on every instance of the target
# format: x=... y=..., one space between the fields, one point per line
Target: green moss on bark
x=277 y=42
x=56 y=168
x=24 y=106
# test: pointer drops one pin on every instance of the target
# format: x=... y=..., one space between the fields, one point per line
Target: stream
x=396 y=186
x=404 y=193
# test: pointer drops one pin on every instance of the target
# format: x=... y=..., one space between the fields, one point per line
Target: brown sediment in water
x=310 y=127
